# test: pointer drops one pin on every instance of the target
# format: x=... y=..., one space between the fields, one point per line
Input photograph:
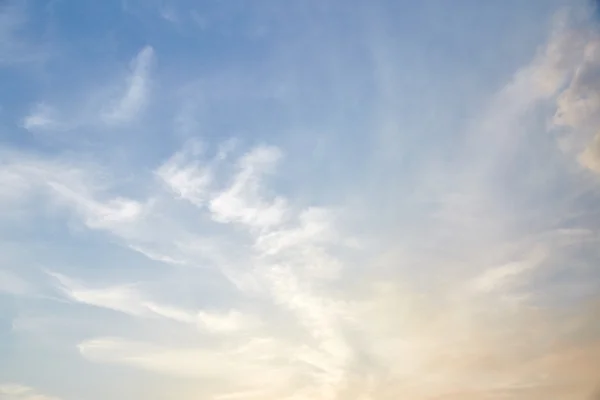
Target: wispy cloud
x=184 y=174
x=499 y=277
x=126 y=299
x=9 y=391
x=241 y=365
x=243 y=201
x=115 y=102
x=223 y=323
x=135 y=93
x=41 y=118
x=465 y=273
x=69 y=184
x=578 y=103
x=131 y=300
x=13 y=284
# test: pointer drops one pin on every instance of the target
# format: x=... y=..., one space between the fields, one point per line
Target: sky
x=294 y=200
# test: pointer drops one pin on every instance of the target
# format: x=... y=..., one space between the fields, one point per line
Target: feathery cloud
x=477 y=282
x=10 y=391
x=13 y=284
x=135 y=95
x=243 y=201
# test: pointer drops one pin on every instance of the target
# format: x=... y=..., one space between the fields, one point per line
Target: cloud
x=500 y=277
x=590 y=158
x=315 y=226
x=99 y=214
x=242 y=201
x=157 y=256
x=232 y=321
x=320 y=318
x=69 y=184
x=11 y=391
x=278 y=250
x=578 y=103
x=284 y=259
x=83 y=192
x=258 y=364
x=185 y=176
x=126 y=299
x=135 y=95
x=129 y=299
x=456 y=300
x=41 y=118
x=13 y=284
x=104 y=108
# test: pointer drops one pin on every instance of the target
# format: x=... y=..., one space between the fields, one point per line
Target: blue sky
x=332 y=200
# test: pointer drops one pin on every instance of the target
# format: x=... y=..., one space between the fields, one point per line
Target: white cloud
x=83 y=190
x=304 y=246
x=126 y=299
x=243 y=201
x=578 y=103
x=185 y=176
x=99 y=214
x=15 y=184
x=501 y=277
x=229 y=322
x=321 y=331
x=129 y=299
x=590 y=158
x=315 y=227
x=119 y=298
x=259 y=364
x=112 y=104
x=157 y=256
x=135 y=96
x=42 y=117
x=172 y=313
x=60 y=179
x=12 y=391
x=13 y=284
x=320 y=317
x=169 y=14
